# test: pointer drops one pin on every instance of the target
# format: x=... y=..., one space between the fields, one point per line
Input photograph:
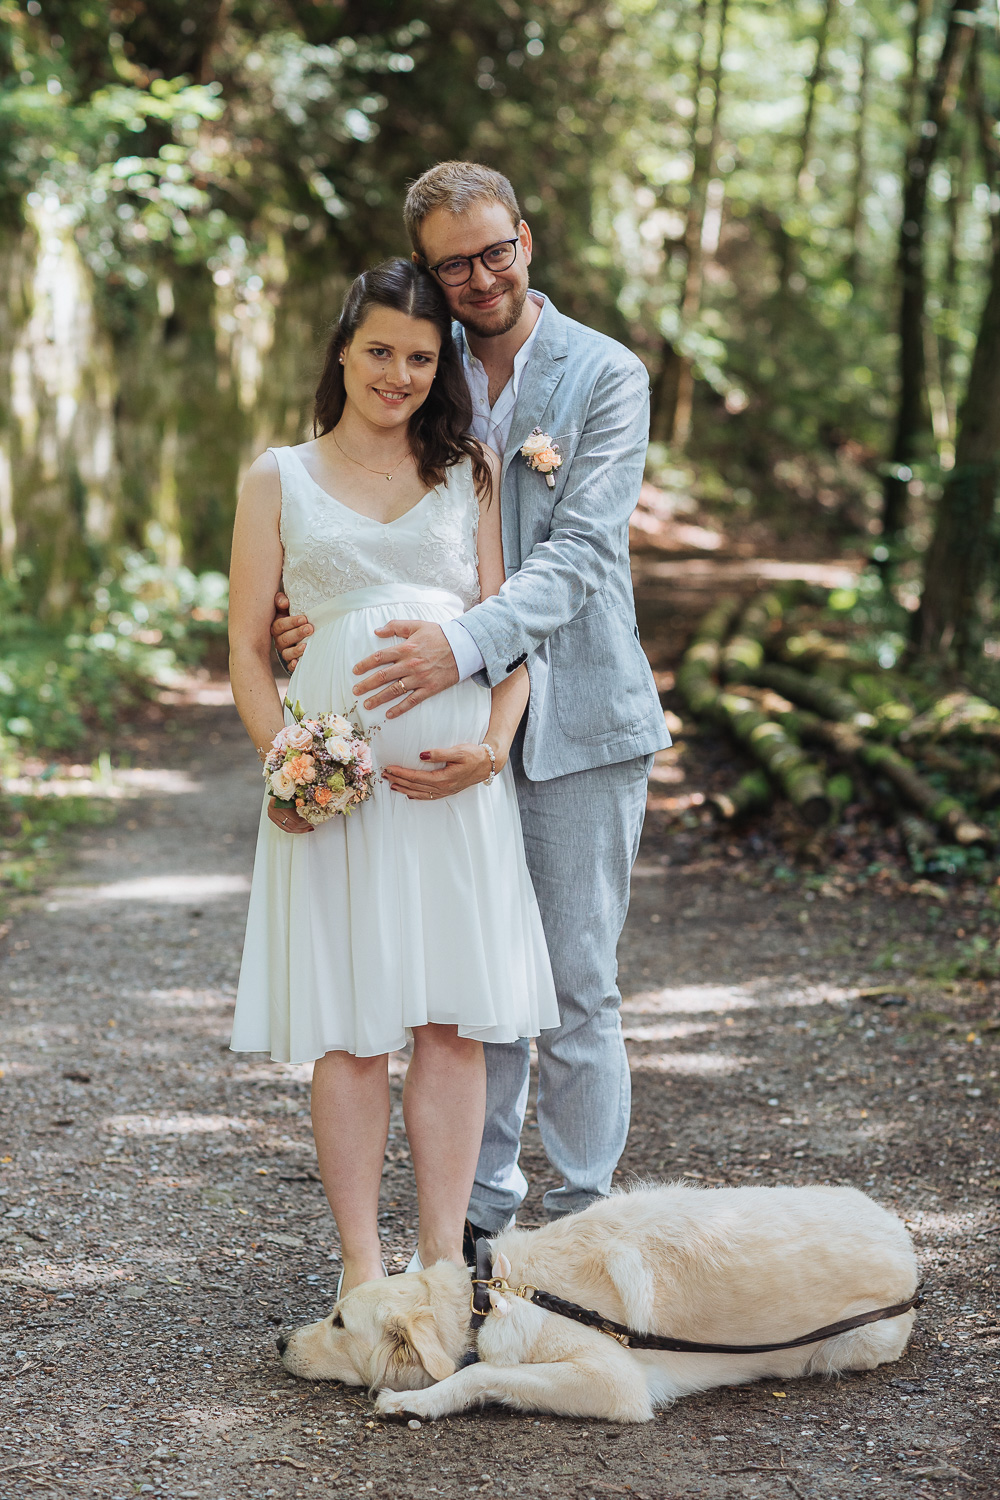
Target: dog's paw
x=401 y=1404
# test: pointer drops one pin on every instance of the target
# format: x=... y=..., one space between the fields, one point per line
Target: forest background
x=788 y=208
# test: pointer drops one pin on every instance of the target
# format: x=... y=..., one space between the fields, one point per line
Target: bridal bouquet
x=320 y=766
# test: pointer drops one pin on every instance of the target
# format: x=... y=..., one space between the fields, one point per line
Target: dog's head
x=401 y=1332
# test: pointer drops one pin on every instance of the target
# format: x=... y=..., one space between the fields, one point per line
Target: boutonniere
x=542 y=454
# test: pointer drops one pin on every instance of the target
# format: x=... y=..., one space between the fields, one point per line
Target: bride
x=411 y=916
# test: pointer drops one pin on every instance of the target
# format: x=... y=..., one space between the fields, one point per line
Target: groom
x=582 y=759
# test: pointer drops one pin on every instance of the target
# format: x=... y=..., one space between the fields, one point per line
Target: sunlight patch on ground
x=83 y=781
x=694 y=999
x=664 y=1032
x=691 y=1064
x=271 y=1073
x=924 y=1224
x=176 y=1124
x=689 y=999
x=205 y=694
x=75 y=1277
x=183 y=998
x=175 y=889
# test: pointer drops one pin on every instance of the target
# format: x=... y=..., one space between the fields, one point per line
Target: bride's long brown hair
x=438 y=429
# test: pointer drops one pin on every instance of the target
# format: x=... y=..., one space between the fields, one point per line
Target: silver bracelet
x=493 y=763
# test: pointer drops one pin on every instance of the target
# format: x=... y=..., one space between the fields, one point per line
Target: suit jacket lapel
x=541 y=375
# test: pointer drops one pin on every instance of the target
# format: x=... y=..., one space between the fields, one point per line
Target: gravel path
x=160 y=1215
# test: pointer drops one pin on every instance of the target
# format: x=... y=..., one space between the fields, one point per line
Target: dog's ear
x=420 y=1332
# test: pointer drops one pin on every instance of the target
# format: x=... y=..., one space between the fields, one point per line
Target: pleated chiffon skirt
x=405 y=912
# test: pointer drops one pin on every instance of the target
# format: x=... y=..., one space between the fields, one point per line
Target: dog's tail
x=863 y=1348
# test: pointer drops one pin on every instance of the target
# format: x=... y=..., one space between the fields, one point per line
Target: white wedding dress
x=406 y=911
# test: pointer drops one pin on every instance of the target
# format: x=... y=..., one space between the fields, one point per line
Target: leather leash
x=485 y=1282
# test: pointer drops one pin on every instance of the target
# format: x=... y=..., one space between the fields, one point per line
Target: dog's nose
x=282 y=1342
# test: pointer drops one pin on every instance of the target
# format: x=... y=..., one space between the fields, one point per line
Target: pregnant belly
x=324 y=680
x=458 y=716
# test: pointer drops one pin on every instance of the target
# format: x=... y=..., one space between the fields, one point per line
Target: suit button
x=512 y=666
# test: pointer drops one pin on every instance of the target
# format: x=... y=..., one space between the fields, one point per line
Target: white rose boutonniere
x=542 y=454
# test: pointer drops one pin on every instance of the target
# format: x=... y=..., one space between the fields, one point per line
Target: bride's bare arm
x=254 y=577
x=467 y=764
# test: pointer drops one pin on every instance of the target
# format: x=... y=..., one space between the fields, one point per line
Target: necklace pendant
x=388 y=476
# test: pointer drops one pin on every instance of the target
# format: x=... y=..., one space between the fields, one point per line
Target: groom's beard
x=502 y=319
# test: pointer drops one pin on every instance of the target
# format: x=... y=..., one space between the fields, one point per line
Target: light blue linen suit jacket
x=567 y=607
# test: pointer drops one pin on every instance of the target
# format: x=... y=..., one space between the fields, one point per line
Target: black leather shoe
x=470 y=1235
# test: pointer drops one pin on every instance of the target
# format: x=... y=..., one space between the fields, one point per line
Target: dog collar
x=486 y=1286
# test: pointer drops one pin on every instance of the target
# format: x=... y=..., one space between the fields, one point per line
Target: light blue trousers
x=581 y=837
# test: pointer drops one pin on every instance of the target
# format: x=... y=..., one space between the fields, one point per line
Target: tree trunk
x=946 y=347
x=859 y=182
x=803 y=177
x=674 y=388
x=947 y=622
x=922 y=12
x=912 y=429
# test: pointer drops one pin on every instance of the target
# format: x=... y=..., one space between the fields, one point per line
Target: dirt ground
x=160 y=1216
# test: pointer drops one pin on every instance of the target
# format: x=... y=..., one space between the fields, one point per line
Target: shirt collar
x=523 y=354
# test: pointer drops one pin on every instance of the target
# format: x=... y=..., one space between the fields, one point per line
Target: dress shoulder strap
x=286 y=464
x=460 y=483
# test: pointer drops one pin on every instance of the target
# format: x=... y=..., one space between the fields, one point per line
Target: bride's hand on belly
x=465 y=766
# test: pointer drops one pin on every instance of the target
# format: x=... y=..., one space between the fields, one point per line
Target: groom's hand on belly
x=412 y=669
x=289 y=632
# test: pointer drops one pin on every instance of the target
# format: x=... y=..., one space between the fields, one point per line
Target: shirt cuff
x=468 y=657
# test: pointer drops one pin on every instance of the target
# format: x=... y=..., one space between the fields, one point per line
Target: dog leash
x=484 y=1283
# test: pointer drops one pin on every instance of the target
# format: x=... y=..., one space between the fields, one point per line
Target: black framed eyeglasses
x=457 y=269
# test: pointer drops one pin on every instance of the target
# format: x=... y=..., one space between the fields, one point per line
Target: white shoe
x=416 y=1264
x=340 y=1281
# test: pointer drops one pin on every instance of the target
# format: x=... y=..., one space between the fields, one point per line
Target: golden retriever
x=748 y=1265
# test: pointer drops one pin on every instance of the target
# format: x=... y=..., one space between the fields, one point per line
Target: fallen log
x=947 y=812
x=698 y=676
x=743 y=653
x=801 y=779
x=751 y=793
x=918 y=837
x=813 y=692
x=956 y=715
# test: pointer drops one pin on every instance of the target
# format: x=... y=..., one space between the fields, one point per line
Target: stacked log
x=730 y=677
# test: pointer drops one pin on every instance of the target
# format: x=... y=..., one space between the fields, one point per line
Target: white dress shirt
x=491 y=425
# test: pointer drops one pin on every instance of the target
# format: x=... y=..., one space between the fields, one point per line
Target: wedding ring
x=402 y=685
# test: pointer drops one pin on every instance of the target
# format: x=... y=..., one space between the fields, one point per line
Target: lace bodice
x=331 y=549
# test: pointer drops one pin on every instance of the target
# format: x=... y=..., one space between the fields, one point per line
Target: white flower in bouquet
x=283 y=785
x=342 y=801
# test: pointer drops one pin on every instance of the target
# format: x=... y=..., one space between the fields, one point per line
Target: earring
x=341 y=359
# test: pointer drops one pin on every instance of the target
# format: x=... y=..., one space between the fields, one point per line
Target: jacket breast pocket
x=600 y=678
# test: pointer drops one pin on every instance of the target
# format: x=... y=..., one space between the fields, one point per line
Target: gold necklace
x=360 y=465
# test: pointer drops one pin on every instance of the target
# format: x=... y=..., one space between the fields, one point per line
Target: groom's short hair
x=455 y=186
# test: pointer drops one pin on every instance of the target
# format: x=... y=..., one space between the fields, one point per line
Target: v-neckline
x=350 y=508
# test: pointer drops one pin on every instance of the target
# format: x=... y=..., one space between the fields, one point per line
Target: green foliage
x=214 y=176
x=61 y=687
x=31 y=829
